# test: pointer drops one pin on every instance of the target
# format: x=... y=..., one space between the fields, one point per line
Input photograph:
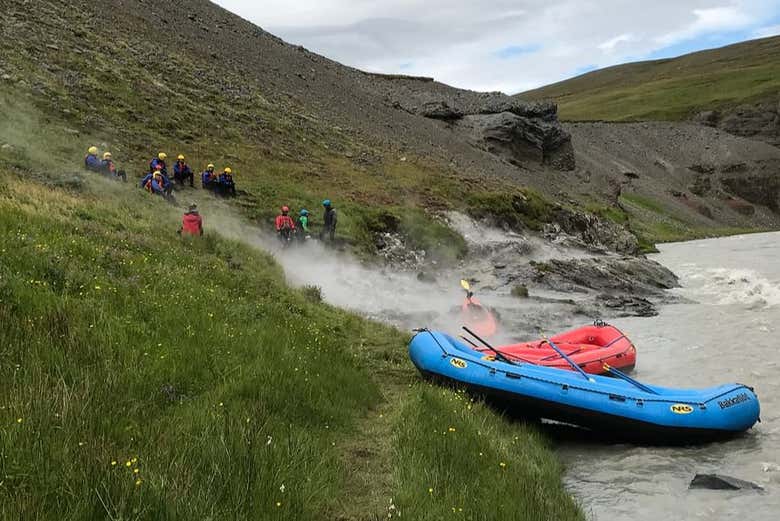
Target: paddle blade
x=465 y=285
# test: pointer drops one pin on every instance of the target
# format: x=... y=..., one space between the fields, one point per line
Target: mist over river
x=725 y=331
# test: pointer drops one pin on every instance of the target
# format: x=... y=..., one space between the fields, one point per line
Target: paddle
x=571 y=362
x=499 y=355
x=623 y=376
x=465 y=285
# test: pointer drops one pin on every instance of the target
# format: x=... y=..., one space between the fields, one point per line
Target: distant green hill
x=671 y=89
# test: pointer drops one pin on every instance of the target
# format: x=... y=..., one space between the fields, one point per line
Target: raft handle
x=514 y=376
x=617 y=398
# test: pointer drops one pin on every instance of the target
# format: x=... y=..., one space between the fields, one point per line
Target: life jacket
x=284 y=222
x=191 y=223
x=109 y=166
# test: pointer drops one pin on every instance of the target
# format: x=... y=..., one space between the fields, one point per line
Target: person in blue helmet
x=329 y=221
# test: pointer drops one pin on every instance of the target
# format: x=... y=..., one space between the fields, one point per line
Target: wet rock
x=721 y=482
x=590 y=231
x=624 y=283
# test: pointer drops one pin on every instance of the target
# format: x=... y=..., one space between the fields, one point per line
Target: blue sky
x=507 y=45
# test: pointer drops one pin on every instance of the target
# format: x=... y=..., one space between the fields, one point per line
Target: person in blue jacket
x=209 y=178
x=159 y=161
x=157 y=184
x=226 y=184
x=108 y=168
x=182 y=172
x=91 y=161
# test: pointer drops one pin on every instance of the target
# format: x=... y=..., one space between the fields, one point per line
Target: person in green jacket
x=303 y=224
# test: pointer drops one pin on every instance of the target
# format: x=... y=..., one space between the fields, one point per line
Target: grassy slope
x=671 y=89
x=127 y=349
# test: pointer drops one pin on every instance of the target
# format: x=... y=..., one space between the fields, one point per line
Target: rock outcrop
x=760 y=121
x=590 y=232
x=514 y=130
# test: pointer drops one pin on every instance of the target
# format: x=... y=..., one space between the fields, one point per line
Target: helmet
x=162 y=156
x=158 y=168
x=304 y=212
x=157 y=173
x=210 y=166
x=107 y=155
x=326 y=202
x=285 y=209
x=228 y=170
x=92 y=150
x=181 y=157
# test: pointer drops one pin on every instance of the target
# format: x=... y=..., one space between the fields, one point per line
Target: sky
x=507 y=45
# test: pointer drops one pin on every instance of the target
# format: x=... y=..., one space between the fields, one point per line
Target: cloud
x=509 y=45
x=610 y=45
x=715 y=19
x=764 y=32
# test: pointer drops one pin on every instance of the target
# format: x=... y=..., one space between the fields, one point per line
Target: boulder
x=439 y=109
x=721 y=482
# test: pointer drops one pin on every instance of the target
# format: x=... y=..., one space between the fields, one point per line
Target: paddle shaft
x=624 y=376
x=498 y=354
x=566 y=357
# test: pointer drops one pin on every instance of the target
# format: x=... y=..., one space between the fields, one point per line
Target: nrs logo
x=681 y=408
x=460 y=364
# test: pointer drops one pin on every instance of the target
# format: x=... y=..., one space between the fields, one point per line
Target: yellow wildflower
x=278 y=503
x=19 y=420
x=138 y=482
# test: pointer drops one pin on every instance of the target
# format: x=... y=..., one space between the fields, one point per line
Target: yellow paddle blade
x=465 y=285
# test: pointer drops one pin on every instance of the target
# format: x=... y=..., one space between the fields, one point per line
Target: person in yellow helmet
x=209 y=179
x=183 y=172
x=226 y=184
x=91 y=161
x=159 y=161
x=108 y=168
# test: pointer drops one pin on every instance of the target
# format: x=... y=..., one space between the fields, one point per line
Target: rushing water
x=727 y=332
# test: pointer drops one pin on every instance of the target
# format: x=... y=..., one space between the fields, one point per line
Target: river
x=726 y=330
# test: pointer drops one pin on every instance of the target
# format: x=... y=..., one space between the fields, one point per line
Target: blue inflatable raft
x=621 y=407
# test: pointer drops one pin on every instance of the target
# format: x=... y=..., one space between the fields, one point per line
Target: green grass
x=672 y=89
x=146 y=376
x=516 y=209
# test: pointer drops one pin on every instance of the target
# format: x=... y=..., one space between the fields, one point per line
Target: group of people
x=288 y=229
x=157 y=181
x=105 y=166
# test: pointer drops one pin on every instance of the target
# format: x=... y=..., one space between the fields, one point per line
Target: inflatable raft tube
x=619 y=408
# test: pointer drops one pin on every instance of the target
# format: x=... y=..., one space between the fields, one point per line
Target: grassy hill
x=671 y=89
x=145 y=376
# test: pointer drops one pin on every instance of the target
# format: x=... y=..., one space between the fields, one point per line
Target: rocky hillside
x=395 y=151
x=736 y=88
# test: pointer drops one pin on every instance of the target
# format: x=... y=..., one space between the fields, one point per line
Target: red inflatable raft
x=590 y=347
x=478 y=318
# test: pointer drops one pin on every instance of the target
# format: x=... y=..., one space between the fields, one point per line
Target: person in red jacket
x=191 y=222
x=285 y=226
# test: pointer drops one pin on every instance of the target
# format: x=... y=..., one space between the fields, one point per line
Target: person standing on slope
x=285 y=226
x=303 y=224
x=183 y=172
x=191 y=222
x=329 y=221
x=159 y=161
x=91 y=161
